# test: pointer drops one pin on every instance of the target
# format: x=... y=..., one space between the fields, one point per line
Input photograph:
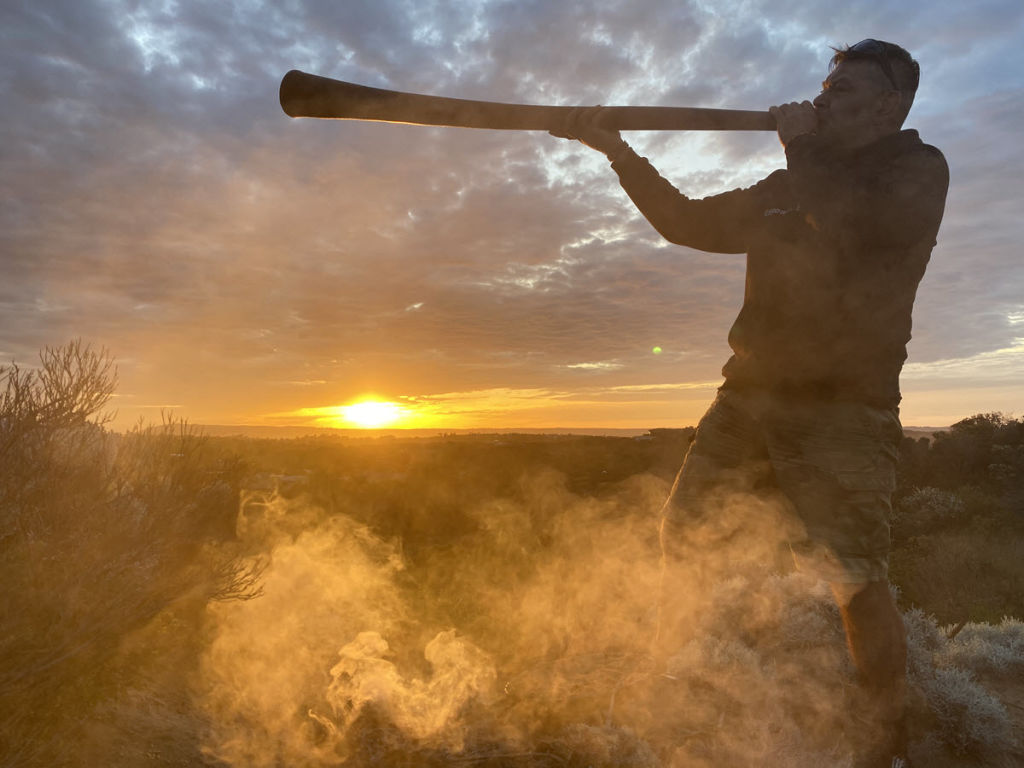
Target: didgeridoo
x=305 y=95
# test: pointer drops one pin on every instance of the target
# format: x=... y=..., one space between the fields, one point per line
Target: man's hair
x=896 y=63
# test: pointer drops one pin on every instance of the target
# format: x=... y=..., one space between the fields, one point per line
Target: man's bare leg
x=877 y=641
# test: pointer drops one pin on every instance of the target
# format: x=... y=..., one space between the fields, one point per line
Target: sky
x=243 y=267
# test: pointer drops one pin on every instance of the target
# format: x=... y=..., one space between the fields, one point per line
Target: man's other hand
x=587 y=125
x=794 y=119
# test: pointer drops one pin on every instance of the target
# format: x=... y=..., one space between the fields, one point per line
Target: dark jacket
x=836 y=246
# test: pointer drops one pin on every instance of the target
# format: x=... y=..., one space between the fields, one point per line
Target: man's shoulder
x=776 y=182
x=917 y=158
x=902 y=158
x=909 y=142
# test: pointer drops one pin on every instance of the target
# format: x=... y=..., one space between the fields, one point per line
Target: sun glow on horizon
x=646 y=405
x=363 y=414
x=370 y=414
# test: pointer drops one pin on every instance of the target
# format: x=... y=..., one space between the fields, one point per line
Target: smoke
x=531 y=633
x=268 y=662
x=424 y=710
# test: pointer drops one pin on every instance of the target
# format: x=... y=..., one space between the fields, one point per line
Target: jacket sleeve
x=719 y=224
x=895 y=206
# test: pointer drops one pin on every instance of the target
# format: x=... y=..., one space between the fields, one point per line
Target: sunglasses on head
x=878 y=51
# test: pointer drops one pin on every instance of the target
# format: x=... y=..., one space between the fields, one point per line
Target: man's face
x=850 y=104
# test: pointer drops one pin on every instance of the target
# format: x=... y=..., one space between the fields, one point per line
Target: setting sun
x=372 y=413
x=367 y=413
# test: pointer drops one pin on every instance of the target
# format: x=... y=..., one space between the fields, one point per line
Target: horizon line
x=227 y=430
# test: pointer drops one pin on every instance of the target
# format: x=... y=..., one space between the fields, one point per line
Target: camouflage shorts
x=834 y=462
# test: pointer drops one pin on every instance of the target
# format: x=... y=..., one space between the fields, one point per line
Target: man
x=836 y=245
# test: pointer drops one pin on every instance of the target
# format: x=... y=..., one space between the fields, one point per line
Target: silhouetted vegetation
x=121 y=555
x=100 y=534
x=958 y=526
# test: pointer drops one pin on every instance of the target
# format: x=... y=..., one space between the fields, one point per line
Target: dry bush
x=100 y=535
x=926 y=510
x=964 y=717
x=981 y=648
x=962 y=575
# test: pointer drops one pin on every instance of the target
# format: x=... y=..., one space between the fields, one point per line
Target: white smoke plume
x=268 y=662
x=422 y=709
x=529 y=639
x=527 y=626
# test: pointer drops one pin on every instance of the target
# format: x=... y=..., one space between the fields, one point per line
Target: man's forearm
x=709 y=225
x=712 y=224
x=618 y=151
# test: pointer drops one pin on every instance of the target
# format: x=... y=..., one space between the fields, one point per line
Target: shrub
x=997 y=648
x=100 y=535
x=971 y=721
x=968 y=719
x=926 y=510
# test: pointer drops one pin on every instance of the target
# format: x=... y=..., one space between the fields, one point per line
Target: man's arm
x=715 y=224
x=718 y=224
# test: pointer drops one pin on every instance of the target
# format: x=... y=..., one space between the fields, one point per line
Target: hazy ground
x=473 y=600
